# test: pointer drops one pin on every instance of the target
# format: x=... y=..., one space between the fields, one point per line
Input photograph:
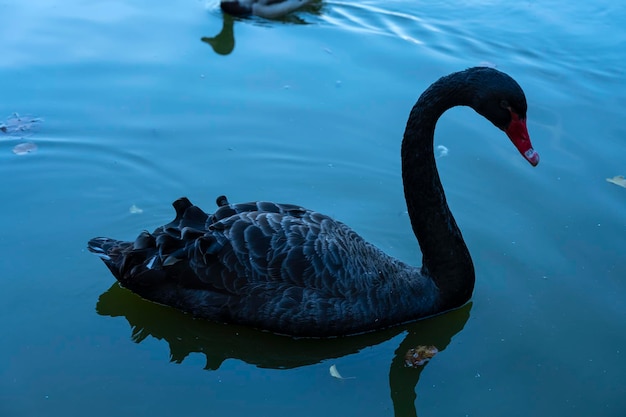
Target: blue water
x=137 y=110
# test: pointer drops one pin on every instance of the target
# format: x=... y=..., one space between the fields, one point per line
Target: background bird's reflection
x=219 y=342
x=224 y=42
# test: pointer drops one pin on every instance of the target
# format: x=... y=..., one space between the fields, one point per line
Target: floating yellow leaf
x=618 y=180
x=419 y=355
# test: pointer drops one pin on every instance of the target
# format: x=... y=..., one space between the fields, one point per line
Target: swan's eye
x=505 y=105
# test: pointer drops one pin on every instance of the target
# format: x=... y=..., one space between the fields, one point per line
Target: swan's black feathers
x=275 y=266
x=221 y=201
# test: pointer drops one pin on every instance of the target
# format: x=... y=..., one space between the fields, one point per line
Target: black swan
x=289 y=270
x=269 y=9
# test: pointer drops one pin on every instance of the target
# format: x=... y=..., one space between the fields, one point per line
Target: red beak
x=518 y=133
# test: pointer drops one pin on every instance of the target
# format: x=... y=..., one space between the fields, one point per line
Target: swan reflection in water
x=224 y=42
x=219 y=342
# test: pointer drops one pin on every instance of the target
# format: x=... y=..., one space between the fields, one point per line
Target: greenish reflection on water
x=219 y=342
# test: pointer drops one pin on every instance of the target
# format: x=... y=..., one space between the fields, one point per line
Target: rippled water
x=140 y=104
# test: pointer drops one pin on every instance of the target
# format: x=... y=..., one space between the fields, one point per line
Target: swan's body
x=269 y=9
x=294 y=271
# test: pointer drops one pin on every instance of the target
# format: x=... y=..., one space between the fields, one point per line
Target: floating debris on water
x=20 y=126
x=135 y=210
x=442 y=151
x=335 y=373
x=24 y=148
x=618 y=180
x=419 y=355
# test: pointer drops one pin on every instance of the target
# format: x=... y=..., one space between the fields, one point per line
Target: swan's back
x=274 y=266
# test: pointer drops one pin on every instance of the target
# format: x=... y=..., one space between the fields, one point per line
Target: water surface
x=139 y=108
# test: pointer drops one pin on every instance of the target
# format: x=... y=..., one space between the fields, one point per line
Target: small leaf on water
x=20 y=126
x=442 y=151
x=419 y=355
x=24 y=148
x=135 y=210
x=618 y=180
x=335 y=373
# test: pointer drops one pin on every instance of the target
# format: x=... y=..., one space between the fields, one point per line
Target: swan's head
x=501 y=100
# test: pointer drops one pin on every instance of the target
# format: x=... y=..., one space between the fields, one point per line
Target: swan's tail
x=111 y=252
x=103 y=247
x=139 y=265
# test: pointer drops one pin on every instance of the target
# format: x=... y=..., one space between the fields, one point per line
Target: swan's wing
x=256 y=250
x=277 y=267
x=264 y=247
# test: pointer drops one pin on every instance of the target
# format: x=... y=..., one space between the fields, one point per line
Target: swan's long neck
x=445 y=256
